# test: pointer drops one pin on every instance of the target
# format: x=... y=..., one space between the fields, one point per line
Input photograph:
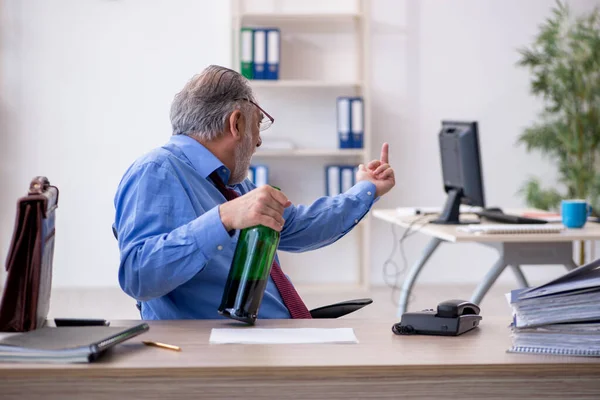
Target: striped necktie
x=289 y=295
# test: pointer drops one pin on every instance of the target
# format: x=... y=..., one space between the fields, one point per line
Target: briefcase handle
x=39 y=185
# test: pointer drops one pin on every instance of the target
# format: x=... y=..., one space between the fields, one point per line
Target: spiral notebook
x=554 y=351
x=482 y=229
x=560 y=317
x=574 y=339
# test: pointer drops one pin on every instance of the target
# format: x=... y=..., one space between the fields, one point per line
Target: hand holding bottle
x=261 y=206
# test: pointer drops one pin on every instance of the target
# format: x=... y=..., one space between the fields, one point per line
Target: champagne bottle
x=249 y=273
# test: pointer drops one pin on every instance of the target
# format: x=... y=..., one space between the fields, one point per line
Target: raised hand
x=261 y=206
x=379 y=172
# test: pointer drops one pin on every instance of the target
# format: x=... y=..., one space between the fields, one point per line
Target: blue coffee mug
x=574 y=213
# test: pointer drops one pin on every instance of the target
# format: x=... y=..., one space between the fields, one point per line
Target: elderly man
x=176 y=228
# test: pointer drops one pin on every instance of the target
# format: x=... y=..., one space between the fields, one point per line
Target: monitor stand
x=451 y=212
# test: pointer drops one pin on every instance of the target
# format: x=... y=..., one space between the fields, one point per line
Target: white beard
x=243 y=157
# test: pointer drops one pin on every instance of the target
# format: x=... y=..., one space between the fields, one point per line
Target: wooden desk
x=514 y=249
x=383 y=365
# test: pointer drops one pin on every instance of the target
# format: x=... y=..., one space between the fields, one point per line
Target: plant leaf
x=537 y=197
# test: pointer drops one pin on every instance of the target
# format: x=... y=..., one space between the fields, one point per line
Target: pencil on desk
x=162 y=345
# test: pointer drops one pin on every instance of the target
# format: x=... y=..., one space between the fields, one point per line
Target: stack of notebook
x=559 y=317
x=65 y=344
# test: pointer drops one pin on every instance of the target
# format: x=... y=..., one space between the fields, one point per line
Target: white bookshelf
x=325 y=53
x=304 y=83
x=279 y=18
x=311 y=153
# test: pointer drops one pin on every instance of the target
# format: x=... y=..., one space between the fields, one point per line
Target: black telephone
x=452 y=318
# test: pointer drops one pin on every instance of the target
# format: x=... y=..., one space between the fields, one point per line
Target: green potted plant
x=564 y=62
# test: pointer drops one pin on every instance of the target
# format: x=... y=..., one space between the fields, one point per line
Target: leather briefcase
x=26 y=296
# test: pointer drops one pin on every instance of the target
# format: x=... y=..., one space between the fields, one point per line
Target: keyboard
x=497 y=215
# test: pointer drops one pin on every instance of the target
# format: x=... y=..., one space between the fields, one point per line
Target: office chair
x=335 y=310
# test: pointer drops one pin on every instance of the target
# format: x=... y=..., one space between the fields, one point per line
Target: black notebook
x=65 y=344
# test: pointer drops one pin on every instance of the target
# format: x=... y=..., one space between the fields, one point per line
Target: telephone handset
x=452 y=318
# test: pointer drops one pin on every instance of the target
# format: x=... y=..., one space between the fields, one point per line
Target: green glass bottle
x=249 y=273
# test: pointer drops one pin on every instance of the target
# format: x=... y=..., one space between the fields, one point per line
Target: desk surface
x=591 y=230
x=380 y=363
x=378 y=346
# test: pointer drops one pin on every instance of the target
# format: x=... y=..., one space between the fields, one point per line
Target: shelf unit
x=326 y=17
x=304 y=83
x=311 y=153
x=300 y=17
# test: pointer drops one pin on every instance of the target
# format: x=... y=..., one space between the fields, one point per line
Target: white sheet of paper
x=282 y=335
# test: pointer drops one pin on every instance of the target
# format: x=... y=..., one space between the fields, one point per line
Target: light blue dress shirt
x=175 y=251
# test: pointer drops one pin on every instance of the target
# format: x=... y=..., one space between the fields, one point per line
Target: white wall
x=456 y=60
x=86 y=87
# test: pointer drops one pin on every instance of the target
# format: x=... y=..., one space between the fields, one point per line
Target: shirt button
x=219 y=247
x=223 y=170
x=356 y=221
x=369 y=193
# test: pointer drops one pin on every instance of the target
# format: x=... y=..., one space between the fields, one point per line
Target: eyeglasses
x=267 y=120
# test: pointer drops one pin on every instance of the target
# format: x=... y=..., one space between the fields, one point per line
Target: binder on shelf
x=357 y=122
x=343 y=122
x=260 y=54
x=251 y=174
x=332 y=180
x=246 y=52
x=347 y=177
x=273 y=53
x=260 y=175
x=339 y=178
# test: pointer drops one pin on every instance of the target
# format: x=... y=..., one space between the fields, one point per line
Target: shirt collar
x=201 y=158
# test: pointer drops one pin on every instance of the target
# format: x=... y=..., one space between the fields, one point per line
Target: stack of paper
x=559 y=317
x=573 y=339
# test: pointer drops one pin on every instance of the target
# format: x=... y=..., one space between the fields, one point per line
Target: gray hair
x=202 y=107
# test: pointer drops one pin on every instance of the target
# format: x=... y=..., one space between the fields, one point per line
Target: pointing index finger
x=384 y=153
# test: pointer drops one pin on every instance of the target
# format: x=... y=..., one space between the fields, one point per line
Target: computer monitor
x=461 y=168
